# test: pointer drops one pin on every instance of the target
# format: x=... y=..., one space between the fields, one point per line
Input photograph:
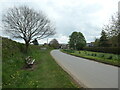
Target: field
x=44 y=74
x=112 y=59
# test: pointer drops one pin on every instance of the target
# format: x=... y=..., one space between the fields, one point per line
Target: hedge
x=114 y=50
x=69 y=51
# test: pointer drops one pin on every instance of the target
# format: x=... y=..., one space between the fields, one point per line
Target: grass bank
x=44 y=74
x=111 y=59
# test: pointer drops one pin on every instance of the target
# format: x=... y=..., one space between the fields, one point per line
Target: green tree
x=54 y=43
x=77 y=41
x=103 y=42
x=114 y=41
x=96 y=43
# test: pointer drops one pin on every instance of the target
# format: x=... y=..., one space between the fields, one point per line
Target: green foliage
x=77 y=41
x=45 y=73
x=114 y=50
x=112 y=30
x=96 y=43
x=106 y=41
x=68 y=51
x=54 y=43
x=103 y=42
x=114 y=41
x=112 y=59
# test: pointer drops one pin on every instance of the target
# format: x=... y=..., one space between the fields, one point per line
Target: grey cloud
x=69 y=16
x=92 y=8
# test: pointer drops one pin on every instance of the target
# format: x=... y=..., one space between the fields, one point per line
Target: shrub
x=102 y=55
x=85 y=52
x=69 y=51
x=110 y=57
x=114 y=50
x=88 y=54
x=94 y=54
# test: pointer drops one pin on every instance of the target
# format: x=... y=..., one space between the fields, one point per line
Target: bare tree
x=28 y=24
x=113 y=28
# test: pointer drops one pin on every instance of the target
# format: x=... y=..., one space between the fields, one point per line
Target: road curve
x=88 y=73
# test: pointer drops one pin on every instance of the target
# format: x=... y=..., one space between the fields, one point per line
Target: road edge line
x=74 y=78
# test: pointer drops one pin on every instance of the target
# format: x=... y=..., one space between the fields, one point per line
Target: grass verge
x=111 y=59
x=45 y=73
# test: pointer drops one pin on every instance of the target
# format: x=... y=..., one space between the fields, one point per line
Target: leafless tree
x=113 y=28
x=27 y=24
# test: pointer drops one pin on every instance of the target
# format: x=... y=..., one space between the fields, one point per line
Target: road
x=88 y=73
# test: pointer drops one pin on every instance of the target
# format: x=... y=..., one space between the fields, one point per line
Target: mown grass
x=112 y=59
x=45 y=74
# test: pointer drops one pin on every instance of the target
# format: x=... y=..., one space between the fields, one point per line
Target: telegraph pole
x=47 y=41
x=119 y=7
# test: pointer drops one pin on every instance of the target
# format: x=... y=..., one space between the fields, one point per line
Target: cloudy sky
x=86 y=16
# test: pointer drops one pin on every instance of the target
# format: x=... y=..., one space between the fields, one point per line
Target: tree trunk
x=27 y=45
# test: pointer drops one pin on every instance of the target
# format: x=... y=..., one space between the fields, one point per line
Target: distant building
x=90 y=44
x=64 y=46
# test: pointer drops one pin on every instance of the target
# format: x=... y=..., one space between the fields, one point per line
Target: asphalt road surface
x=88 y=73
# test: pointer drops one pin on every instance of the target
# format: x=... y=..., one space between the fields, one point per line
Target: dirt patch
x=32 y=68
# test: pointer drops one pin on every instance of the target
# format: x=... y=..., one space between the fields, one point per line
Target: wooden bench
x=29 y=61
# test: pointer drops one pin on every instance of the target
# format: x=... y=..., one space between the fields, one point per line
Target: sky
x=85 y=16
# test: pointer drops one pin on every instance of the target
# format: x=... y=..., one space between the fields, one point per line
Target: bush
x=88 y=54
x=92 y=54
x=110 y=57
x=95 y=55
x=114 y=50
x=69 y=51
x=102 y=55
